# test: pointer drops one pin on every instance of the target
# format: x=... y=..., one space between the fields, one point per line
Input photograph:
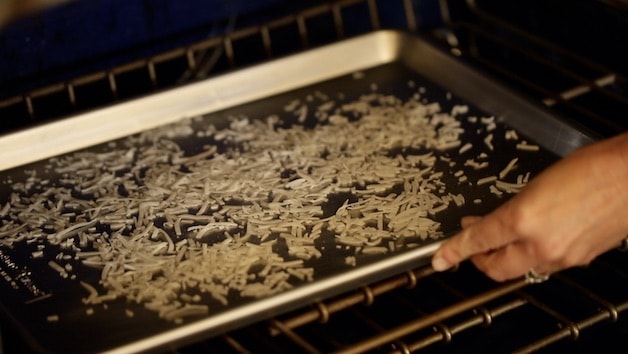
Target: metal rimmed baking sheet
x=48 y=305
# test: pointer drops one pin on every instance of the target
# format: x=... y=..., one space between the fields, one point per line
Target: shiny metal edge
x=195 y=99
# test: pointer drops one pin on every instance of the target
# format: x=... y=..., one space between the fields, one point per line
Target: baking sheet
x=48 y=303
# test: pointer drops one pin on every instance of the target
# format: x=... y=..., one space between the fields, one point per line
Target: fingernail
x=440 y=264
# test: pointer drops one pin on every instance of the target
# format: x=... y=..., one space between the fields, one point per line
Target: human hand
x=572 y=212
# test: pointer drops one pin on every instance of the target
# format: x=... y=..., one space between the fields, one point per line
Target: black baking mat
x=48 y=306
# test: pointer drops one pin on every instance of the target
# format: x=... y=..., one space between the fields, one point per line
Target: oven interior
x=564 y=55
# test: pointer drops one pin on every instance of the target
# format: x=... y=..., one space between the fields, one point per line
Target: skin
x=568 y=215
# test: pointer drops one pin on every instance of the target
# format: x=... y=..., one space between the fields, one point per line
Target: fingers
x=467 y=221
x=479 y=235
x=565 y=217
x=509 y=262
x=440 y=263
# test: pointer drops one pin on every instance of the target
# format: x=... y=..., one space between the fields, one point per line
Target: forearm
x=610 y=157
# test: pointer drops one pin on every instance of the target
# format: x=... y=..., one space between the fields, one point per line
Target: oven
x=560 y=60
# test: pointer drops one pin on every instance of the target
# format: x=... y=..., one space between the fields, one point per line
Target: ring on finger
x=534 y=277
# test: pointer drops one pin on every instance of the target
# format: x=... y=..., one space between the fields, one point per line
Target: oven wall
x=594 y=29
x=81 y=37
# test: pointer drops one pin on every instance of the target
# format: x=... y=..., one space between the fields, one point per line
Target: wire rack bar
x=394 y=334
x=367 y=295
x=225 y=43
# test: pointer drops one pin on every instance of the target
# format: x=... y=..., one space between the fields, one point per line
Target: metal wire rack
x=237 y=48
x=569 y=82
x=459 y=311
x=578 y=310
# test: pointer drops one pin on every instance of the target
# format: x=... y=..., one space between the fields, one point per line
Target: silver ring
x=534 y=277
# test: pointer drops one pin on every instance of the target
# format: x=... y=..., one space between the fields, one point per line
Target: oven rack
x=472 y=310
x=569 y=84
x=474 y=307
x=235 y=49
